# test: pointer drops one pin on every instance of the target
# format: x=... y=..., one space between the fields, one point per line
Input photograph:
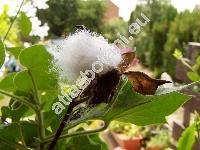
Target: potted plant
x=127 y=135
x=160 y=141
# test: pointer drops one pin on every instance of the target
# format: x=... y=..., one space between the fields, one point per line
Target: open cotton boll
x=80 y=50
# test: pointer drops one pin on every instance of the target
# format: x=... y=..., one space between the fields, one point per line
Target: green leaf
x=22 y=81
x=177 y=54
x=11 y=132
x=95 y=138
x=29 y=131
x=198 y=60
x=83 y=143
x=187 y=138
x=144 y=110
x=1 y=97
x=7 y=83
x=35 y=56
x=48 y=98
x=43 y=80
x=5 y=135
x=19 y=112
x=38 y=62
x=193 y=76
x=49 y=117
x=15 y=51
x=25 y=24
x=2 y=53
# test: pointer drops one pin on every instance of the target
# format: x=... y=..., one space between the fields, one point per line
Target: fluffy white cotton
x=80 y=50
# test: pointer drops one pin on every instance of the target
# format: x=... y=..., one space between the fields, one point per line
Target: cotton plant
x=82 y=49
x=106 y=92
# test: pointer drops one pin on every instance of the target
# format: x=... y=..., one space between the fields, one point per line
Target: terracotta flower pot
x=128 y=143
x=154 y=148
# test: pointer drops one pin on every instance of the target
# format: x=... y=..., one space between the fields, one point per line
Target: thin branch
x=13 y=21
x=62 y=126
x=65 y=120
x=81 y=120
x=79 y=133
x=21 y=100
x=39 y=112
x=22 y=138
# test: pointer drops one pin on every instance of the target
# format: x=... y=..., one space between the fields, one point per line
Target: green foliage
x=90 y=14
x=7 y=82
x=193 y=74
x=33 y=90
x=183 y=29
x=151 y=41
x=84 y=143
x=2 y=53
x=178 y=54
x=5 y=21
x=25 y=24
x=62 y=18
x=114 y=26
x=14 y=51
x=161 y=139
x=34 y=57
x=144 y=110
x=37 y=86
x=187 y=138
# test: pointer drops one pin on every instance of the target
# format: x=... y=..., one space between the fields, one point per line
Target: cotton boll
x=80 y=50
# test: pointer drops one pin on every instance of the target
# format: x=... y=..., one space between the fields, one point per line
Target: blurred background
x=170 y=43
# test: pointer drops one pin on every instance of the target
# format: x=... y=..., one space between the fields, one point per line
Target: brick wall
x=112 y=11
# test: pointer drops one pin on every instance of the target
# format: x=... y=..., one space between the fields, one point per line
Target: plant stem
x=37 y=100
x=22 y=138
x=62 y=126
x=39 y=110
x=13 y=21
x=79 y=133
x=65 y=120
x=21 y=100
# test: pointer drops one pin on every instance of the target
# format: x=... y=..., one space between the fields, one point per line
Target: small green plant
x=127 y=129
x=193 y=74
x=191 y=133
x=160 y=140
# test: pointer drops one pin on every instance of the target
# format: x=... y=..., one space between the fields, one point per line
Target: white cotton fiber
x=80 y=50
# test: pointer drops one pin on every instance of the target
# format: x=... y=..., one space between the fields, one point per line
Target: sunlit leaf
x=25 y=24
x=35 y=56
x=15 y=51
x=198 y=60
x=187 y=138
x=193 y=76
x=144 y=110
x=2 y=53
x=7 y=82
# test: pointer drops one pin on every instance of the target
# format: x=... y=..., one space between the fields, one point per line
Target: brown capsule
x=143 y=84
